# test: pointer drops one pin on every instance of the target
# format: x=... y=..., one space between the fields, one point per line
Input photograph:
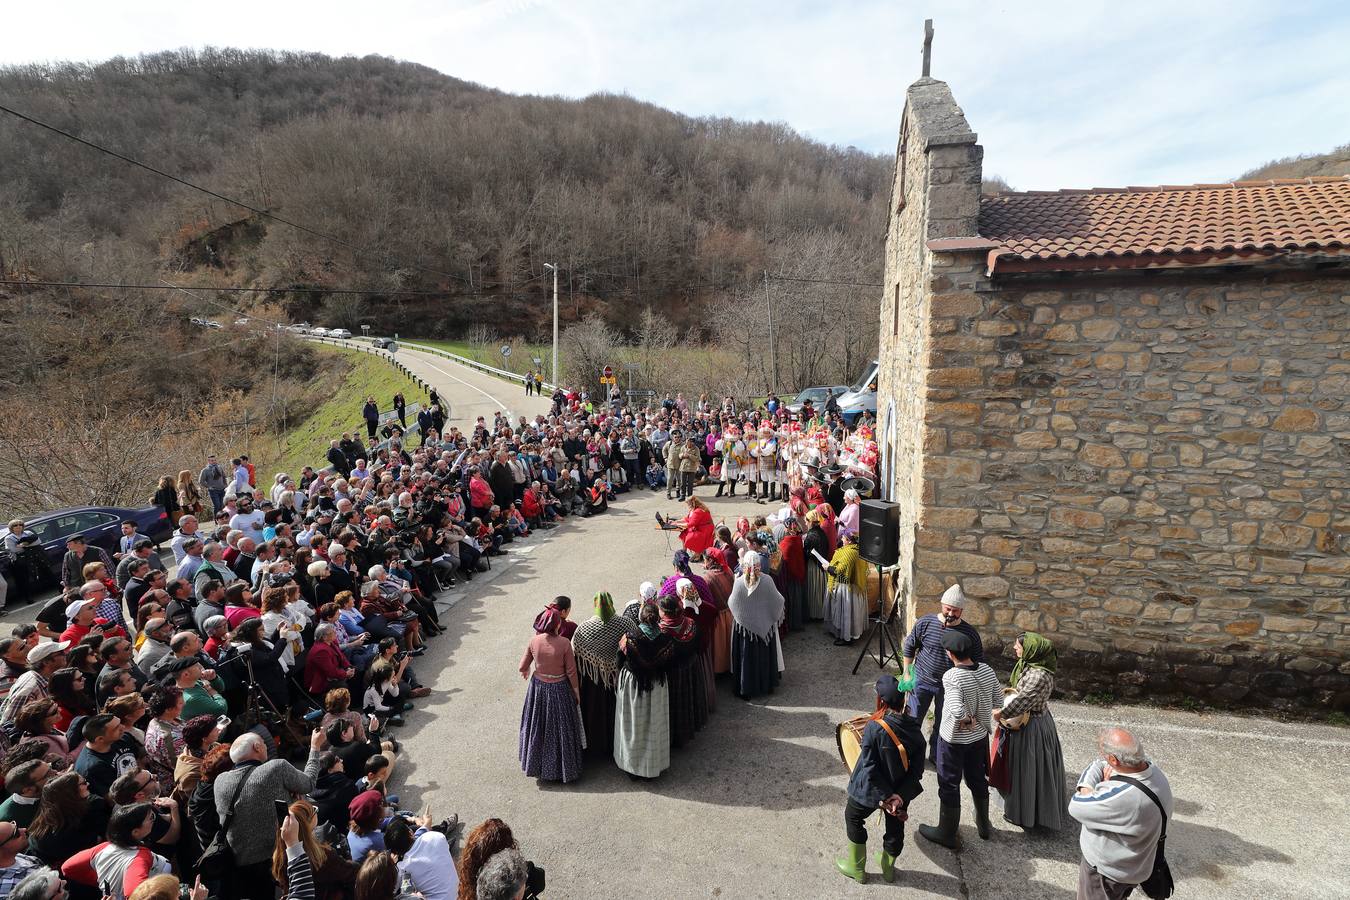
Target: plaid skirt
x=642 y=727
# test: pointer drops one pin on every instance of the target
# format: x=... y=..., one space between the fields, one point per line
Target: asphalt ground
x=753 y=807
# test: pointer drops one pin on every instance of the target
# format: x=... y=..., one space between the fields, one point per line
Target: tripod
x=883 y=625
x=259 y=709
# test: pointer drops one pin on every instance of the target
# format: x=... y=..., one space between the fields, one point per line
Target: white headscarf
x=647 y=591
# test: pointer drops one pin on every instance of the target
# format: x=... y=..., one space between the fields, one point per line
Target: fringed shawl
x=596 y=646
x=850 y=568
x=757 y=610
x=648 y=659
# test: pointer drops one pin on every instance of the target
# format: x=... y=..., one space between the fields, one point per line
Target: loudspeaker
x=879 y=532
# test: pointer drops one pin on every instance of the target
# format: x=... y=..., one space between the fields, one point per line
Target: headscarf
x=681 y=562
x=647 y=591
x=549 y=621
x=677 y=624
x=596 y=642
x=1037 y=653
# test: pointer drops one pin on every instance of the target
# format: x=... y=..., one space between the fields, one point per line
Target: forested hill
x=444 y=184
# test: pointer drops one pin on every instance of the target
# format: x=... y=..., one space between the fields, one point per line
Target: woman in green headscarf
x=1036 y=797
x=596 y=647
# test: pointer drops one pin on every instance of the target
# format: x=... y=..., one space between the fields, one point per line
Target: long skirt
x=641 y=727
x=845 y=612
x=754 y=665
x=1036 y=771
x=817 y=585
x=722 y=642
x=688 y=700
x=597 y=716
x=550 y=732
x=709 y=677
x=796 y=603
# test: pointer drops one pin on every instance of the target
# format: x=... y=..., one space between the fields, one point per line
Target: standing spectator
x=1123 y=802
x=212 y=479
x=972 y=694
x=240 y=483
x=401 y=408
x=925 y=659
x=189 y=495
x=15 y=864
x=249 y=790
x=24 y=783
x=43 y=661
x=108 y=752
x=371 y=414
x=337 y=459
x=121 y=863
x=166 y=498
x=78 y=555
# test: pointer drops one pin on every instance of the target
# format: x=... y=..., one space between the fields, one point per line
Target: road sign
x=537 y=361
x=506 y=351
x=640 y=393
x=632 y=366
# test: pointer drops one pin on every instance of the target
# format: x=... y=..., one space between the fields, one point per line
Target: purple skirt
x=550 y=732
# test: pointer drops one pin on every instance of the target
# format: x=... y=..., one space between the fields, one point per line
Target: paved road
x=753 y=807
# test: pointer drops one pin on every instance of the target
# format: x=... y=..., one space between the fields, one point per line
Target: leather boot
x=982 y=825
x=752 y=489
x=887 y=863
x=852 y=866
x=945 y=833
x=773 y=490
x=721 y=486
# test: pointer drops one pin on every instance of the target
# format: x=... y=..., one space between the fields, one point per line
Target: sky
x=1062 y=94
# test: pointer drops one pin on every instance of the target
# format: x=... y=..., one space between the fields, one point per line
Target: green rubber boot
x=853 y=866
x=945 y=832
x=887 y=863
x=982 y=825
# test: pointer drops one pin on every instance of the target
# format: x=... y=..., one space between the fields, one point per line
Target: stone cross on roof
x=927 y=46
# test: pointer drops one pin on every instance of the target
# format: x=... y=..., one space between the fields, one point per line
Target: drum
x=848 y=737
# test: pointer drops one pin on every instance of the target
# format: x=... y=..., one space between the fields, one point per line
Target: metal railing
x=472 y=363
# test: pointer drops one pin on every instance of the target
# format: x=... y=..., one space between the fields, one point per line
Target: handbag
x=1000 y=775
x=218 y=858
x=1159 y=884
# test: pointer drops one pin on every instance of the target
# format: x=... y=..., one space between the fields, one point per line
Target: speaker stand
x=883 y=623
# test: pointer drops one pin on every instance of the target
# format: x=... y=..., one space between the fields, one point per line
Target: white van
x=862 y=395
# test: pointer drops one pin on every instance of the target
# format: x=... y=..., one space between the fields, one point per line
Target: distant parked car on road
x=817 y=397
x=319 y=332
x=340 y=333
x=101 y=526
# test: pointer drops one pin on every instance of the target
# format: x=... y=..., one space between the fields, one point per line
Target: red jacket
x=529 y=504
x=326 y=662
x=480 y=493
x=81 y=868
x=698 y=531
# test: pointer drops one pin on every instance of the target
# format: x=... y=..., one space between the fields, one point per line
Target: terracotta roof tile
x=1166 y=225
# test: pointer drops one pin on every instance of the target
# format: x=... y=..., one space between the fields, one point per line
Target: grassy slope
x=308 y=442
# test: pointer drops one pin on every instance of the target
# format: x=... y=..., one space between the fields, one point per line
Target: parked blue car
x=100 y=525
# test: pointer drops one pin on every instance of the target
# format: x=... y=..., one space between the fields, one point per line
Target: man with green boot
x=886 y=777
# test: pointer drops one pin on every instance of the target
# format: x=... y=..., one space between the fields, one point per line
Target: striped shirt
x=969 y=691
x=923 y=644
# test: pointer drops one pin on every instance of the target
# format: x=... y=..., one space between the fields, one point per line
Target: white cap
x=954 y=597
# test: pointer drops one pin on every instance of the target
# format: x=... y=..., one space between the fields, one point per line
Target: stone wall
x=1153 y=473
x=935 y=194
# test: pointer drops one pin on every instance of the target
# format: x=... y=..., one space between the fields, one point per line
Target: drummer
x=886 y=777
x=926 y=661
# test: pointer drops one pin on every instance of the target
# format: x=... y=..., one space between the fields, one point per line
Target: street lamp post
x=555 y=320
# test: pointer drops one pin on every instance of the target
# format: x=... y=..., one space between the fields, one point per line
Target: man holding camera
x=926 y=661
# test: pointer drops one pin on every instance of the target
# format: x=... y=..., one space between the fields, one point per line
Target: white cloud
x=1063 y=94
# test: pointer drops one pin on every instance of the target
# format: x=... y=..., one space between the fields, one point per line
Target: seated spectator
x=353 y=753
x=164 y=733
x=326 y=667
x=423 y=857
x=139 y=786
x=333 y=875
x=67 y=689
x=333 y=792
x=43 y=662
x=68 y=820
x=130 y=709
x=200 y=735
x=504 y=877
x=18 y=868
x=365 y=836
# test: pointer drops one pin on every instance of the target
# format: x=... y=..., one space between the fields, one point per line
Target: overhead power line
x=197 y=187
x=224 y=289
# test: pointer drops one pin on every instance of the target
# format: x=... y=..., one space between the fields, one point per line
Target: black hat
x=182 y=665
x=957 y=641
x=888 y=691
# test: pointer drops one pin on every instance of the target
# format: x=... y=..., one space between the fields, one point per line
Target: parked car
x=212 y=323
x=319 y=332
x=384 y=343
x=198 y=321
x=100 y=525
x=340 y=333
x=817 y=397
x=862 y=396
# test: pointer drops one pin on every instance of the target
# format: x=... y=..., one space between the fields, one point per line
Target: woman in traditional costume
x=846 y=599
x=596 y=647
x=1035 y=759
x=704 y=614
x=688 y=696
x=848 y=519
x=815 y=544
x=756 y=653
x=646 y=595
x=792 y=574
x=683 y=569
x=551 y=739
x=642 y=707
x=696 y=528
x=719 y=578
